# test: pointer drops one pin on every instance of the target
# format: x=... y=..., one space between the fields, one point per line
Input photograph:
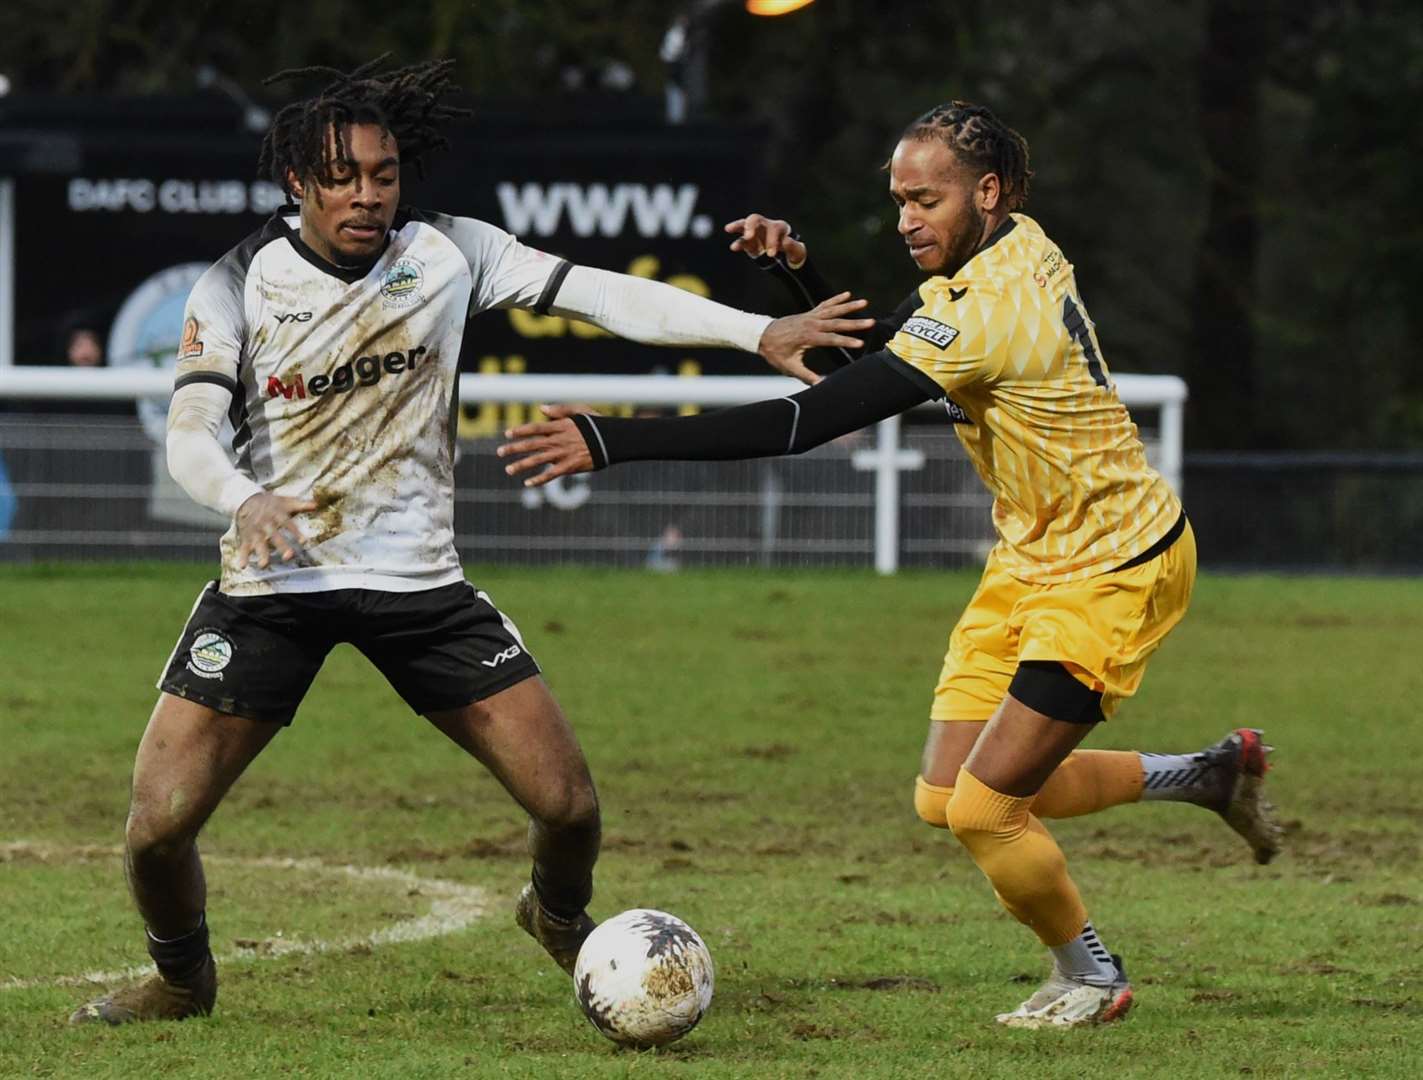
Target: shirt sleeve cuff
x=235 y=491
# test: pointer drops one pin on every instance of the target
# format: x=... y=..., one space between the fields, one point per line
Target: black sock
x=564 y=901
x=182 y=956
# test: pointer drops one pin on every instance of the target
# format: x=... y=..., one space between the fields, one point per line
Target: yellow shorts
x=1103 y=629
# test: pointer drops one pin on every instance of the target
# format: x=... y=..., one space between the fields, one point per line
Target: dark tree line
x=1235 y=180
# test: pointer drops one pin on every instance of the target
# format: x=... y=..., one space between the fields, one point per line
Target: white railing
x=887 y=460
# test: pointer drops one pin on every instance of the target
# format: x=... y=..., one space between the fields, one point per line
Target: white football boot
x=1062 y=1002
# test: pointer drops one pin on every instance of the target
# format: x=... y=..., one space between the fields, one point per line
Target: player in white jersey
x=332 y=336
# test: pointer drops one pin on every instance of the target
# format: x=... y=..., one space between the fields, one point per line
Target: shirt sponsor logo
x=293 y=316
x=402 y=283
x=362 y=371
x=1052 y=265
x=938 y=334
x=209 y=654
x=956 y=412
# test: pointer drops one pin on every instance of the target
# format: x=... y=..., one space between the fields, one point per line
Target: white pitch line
x=453 y=907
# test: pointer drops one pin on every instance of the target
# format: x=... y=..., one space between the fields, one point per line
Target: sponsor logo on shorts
x=209 y=654
x=938 y=334
x=508 y=654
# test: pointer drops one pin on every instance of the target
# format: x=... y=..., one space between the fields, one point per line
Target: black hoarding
x=112 y=229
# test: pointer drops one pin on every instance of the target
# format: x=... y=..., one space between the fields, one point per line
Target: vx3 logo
x=508 y=654
x=293 y=316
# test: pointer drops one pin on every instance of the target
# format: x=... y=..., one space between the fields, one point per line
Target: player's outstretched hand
x=557 y=444
x=786 y=341
x=265 y=526
x=757 y=235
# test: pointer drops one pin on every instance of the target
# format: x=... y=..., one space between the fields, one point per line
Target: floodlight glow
x=776 y=7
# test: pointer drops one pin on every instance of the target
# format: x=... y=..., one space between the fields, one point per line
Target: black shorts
x=255 y=656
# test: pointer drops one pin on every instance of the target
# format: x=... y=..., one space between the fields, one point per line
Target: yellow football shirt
x=1009 y=338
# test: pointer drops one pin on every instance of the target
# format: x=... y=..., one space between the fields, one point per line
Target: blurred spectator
x=663 y=556
x=81 y=338
x=84 y=348
x=7 y=501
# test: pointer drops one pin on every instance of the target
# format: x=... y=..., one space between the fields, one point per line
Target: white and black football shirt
x=343 y=383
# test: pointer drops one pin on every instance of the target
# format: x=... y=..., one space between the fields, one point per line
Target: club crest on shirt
x=402 y=284
x=938 y=334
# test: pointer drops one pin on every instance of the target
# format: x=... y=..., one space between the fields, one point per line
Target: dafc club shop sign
x=144 y=196
x=116 y=245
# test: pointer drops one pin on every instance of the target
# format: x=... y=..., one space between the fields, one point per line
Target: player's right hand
x=265 y=526
x=758 y=235
x=557 y=445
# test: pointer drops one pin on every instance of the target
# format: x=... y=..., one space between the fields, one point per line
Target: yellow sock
x=1088 y=781
x=1020 y=859
x=931 y=802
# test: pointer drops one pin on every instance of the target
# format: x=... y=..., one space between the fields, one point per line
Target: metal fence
x=1308 y=512
x=902 y=493
x=97 y=488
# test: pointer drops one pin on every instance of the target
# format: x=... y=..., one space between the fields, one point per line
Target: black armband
x=856 y=396
x=227 y=382
x=551 y=287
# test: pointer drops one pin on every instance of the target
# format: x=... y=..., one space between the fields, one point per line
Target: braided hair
x=980 y=141
x=405 y=102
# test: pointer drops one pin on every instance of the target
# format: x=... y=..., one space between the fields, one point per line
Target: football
x=644 y=978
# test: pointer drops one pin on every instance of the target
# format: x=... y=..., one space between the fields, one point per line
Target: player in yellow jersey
x=1094 y=563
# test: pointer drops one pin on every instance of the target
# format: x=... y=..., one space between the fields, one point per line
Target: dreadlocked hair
x=982 y=142
x=405 y=102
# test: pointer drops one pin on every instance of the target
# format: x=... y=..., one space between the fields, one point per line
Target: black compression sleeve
x=804 y=282
x=860 y=394
x=809 y=288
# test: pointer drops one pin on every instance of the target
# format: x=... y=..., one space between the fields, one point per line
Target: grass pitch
x=754 y=739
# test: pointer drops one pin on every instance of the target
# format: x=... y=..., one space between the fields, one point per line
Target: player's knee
x=931 y=802
x=570 y=806
x=160 y=828
x=975 y=820
x=150 y=841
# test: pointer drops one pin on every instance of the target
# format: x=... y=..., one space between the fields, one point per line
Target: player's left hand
x=786 y=341
x=557 y=444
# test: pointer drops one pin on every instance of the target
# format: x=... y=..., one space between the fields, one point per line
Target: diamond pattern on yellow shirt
x=1073 y=494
